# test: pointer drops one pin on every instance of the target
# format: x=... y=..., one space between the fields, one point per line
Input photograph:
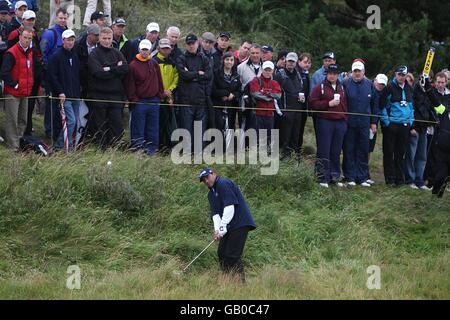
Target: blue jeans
x=416 y=159
x=144 y=125
x=71 y=109
x=330 y=137
x=356 y=154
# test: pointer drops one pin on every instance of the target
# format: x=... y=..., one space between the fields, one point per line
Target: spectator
x=4 y=28
x=51 y=41
x=28 y=21
x=331 y=127
x=64 y=78
x=170 y=78
x=226 y=92
x=281 y=60
x=152 y=34
x=397 y=118
x=438 y=95
x=107 y=67
x=329 y=57
x=207 y=48
x=92 y=7
x=84 y=47
x=416 y=151
x=265 y=91
x=361 y=99
x=173 y=34
x=120 y=41
x=222 y=45
x=304 y=64
x=144 y=87
x=195 y=75
x=67 y=5
x=243 y=53
x=247 y=71
x=379 y=83
x=20 y=7
x=293 y=98
x=100 y=18
x=17 y=74
x=440 y=99
x=267 y=53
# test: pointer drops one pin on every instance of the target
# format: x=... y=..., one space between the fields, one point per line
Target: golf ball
x=109 y=163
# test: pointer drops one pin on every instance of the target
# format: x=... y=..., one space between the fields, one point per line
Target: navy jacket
x=64 y=73
x=226 y=193
x=361 y=98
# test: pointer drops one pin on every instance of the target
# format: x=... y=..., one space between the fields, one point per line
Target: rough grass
x=133 y=225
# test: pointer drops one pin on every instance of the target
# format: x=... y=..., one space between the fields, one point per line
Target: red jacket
x=143 y=80
x=21 y=72
x=264 y=91
x=319 y=101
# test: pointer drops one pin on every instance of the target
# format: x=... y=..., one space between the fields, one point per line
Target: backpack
x=31 y=143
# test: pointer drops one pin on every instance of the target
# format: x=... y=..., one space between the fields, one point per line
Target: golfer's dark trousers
x=395 y=140
x=231 y=247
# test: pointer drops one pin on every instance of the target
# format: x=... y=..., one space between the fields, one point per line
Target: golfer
x=232 y=220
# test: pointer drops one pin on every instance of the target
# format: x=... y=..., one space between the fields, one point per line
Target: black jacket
x=64 y=73
x=106 y=84
x=82 y=52
x=422 y=109
x=127 y=49
x=292 y=85
x=222 y=87
x=193 y=88
x=217 y=57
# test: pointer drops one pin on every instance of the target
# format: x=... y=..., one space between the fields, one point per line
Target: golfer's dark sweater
x=106 y=84
x=64 y=73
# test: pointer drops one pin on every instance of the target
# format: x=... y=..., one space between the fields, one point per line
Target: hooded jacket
x=397 y=104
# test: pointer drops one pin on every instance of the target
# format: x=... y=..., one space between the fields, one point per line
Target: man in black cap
x=232 y=220
x=222 y=46
x=99 y=18
x=120 y=41
x=4 y=26
x=329 y=57
x=91 y=7
x=195 y=75
x=267 y=53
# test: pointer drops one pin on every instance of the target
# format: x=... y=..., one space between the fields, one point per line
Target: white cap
x=268 y=64
x=20 y=4
x=152 y=26
x=29 y=14
x=382 y=79
x=145 y=44
x=292 y=56
x=357 y=66
x=68 y=33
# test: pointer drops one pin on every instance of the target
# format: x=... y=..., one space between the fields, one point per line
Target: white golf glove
x=222 y=231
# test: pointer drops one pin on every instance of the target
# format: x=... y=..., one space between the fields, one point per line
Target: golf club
x=198 y=255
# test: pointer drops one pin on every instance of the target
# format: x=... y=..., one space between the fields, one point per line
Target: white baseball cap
x=20 y=4
x=268 y=65
x=152 y=26
x=382 y=79
x=145 y=44
x=357 y=66
x=68 y=33
x=29 y=14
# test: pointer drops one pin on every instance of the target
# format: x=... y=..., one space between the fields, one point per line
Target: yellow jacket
x=169 y=72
